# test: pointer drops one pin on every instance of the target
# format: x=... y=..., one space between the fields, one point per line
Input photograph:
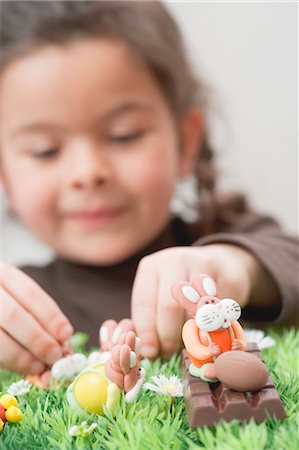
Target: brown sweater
x=88 y=295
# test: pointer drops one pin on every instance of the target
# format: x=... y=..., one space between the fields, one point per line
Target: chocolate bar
x=208 y=403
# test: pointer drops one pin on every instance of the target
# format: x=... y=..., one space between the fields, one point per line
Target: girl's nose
x=87 y=167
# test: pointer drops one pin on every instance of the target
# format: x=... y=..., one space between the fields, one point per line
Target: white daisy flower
x=172 y=386
x=21 y=387
x=98 y=357
x=69 y=366
x=82 y=430
x=258 y=336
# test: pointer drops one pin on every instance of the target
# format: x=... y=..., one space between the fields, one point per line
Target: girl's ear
x=191 y=137
x=186 y=296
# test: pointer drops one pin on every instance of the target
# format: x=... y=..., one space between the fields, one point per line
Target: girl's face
x=90 y=151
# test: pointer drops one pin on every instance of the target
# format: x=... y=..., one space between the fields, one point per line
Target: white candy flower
x=82 y=430
x=98 y=357
x=172 y=386
x=21 y=387
x=69 y=366
x=258 y=336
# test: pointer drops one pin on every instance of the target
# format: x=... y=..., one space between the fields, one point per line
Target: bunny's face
x=202 y=299
x=213 y=316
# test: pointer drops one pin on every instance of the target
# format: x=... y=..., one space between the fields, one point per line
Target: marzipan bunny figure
x=213 y=329
x=100 y=385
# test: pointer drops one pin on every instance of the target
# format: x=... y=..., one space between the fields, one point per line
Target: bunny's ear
x=205 y=285
x=185 y=295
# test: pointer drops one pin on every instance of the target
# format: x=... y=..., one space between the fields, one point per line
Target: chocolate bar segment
x=208 y=403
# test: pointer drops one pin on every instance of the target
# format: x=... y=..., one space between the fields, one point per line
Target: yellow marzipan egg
x=1 y=424
x=8 y=400
x=90 y=391
x=13 y=414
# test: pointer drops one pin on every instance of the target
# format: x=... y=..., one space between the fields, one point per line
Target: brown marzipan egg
x=241 y=371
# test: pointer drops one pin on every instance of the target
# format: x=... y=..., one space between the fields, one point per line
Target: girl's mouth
x=100 y=217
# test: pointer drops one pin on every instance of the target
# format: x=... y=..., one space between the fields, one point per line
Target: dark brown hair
x=149 y=30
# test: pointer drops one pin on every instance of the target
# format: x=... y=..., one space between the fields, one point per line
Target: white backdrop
x=247 y=53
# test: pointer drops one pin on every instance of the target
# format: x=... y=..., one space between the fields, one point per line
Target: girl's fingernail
x=116 y=334
x=137 y=345
x=103 y=333
x=148 y=351
x=66 y=332
x=37 y=367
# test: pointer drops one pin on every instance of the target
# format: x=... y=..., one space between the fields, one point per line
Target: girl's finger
x=144 y=296
x=234 y=284
x=105 y=334
x=23 y=328
x=111 y=331
x=170 y=316
x=14 y=357
x=36 y=301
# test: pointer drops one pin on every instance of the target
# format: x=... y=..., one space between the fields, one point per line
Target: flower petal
x=254 y=335
x=267 y=342
x=21 y=387
x=151 y=387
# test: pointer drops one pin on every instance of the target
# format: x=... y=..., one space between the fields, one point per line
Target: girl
x=101 y=116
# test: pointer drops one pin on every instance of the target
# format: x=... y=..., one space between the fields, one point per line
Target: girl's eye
x=126 y=138
x=46 y=154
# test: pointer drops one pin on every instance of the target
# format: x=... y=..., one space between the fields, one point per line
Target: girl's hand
x=32 y=327
x=158 y=319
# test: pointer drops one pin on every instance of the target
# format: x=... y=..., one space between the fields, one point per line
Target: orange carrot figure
x=214 y=328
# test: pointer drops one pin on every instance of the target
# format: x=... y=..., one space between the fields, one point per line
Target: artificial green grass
x=155 y=422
